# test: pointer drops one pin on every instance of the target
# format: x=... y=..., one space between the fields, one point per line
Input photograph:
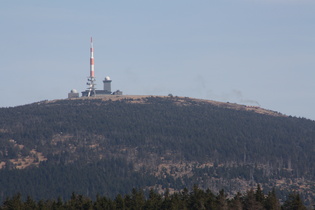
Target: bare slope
x=182 y=101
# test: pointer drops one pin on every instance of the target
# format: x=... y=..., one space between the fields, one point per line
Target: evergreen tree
x=29 y=204
x=221 y=201
x=210 y=202
x=137 y=199
x=154 y=201
x=250 y=201
x=15 y=203
x=103 y=203
x=236 y=202
x=119 y=202
x=166 y=204
x=272 y=202
x=294 y=202
x=128 y=202
x=196 y=200
x=79 y=202
x=177 y=203
x=259 y=195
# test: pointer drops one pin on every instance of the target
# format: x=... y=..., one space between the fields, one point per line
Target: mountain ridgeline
x=113 y=144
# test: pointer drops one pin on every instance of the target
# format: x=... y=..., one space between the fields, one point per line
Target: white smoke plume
x=233 y=96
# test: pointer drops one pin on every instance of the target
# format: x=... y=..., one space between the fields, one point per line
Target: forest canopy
x=111 y=146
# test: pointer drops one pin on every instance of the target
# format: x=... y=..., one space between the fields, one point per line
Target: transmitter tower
x=91 y=79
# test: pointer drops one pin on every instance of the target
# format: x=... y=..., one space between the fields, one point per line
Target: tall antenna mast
x=91 y=79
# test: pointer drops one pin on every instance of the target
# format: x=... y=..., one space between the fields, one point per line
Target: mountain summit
x=109 y=145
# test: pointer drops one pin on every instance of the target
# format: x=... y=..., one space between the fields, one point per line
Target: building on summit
x=73 y=94
x=107 y=90
x=91 y=90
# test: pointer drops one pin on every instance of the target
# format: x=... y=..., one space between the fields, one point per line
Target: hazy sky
x=242 y=51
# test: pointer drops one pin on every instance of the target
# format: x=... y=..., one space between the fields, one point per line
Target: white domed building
x=107 y=84
x=107 y=89
x=73 y=94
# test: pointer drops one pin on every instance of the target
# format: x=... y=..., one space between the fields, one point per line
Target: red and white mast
x=91 y=59
x=91 y=79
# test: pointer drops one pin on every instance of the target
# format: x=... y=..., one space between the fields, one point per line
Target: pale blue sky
x=242 y=51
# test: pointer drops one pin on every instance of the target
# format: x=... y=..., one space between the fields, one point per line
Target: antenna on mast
x=91 y=79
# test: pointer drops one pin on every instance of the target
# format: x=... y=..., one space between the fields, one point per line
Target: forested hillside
x=196 y=199
x=109 y=145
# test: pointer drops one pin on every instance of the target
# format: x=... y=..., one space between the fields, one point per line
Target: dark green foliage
x=155 y=201
x=294 y=202
x=199 y=131
x=14 y=203
x=251 y=201
x=196 y=199
x=93 y=146
x=237 y=202
x=271 y=202
x=221 y=201
x=108 y=176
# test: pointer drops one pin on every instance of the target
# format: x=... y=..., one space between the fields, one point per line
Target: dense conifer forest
x=196 y=199
x=109 y=146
